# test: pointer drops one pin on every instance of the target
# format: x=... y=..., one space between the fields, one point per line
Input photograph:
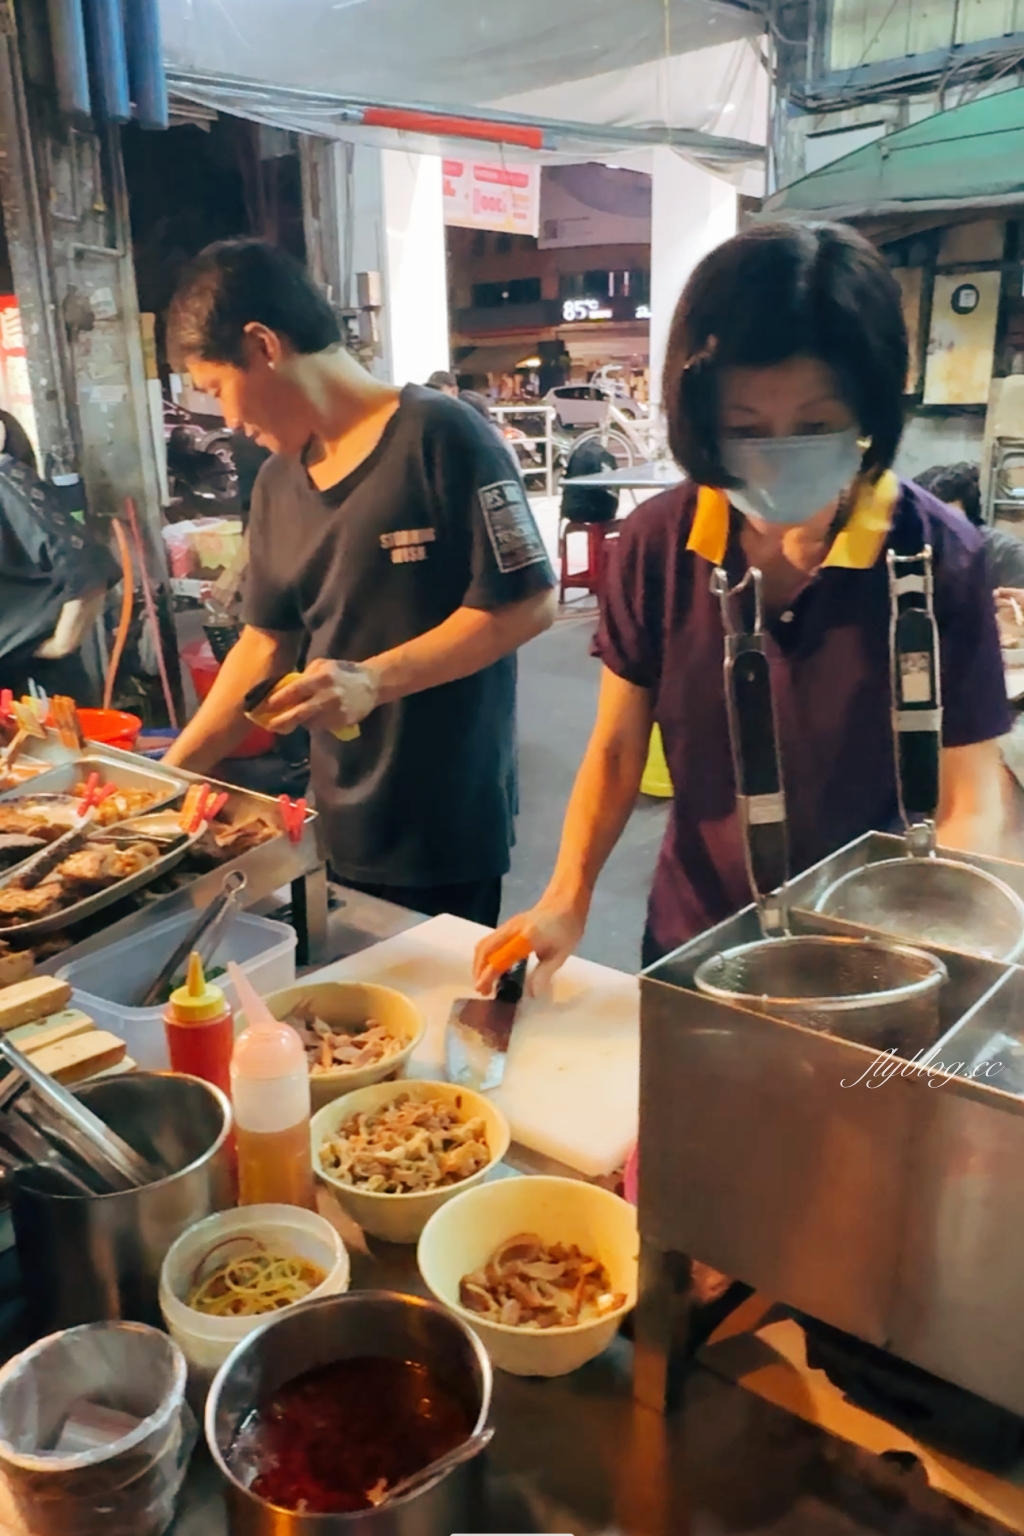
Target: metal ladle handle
x=916 y=694
x=753 y=736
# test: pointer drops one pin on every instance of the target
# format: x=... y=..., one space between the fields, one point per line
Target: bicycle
x=629 y=442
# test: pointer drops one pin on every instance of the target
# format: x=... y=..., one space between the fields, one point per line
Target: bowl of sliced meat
x=355 y=1033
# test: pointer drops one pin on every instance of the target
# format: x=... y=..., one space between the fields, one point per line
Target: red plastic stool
x=591 y=577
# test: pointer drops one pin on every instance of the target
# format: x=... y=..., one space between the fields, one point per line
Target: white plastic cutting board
x=571 y=1088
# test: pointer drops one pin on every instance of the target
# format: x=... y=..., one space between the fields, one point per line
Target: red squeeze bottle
x=200 y=1029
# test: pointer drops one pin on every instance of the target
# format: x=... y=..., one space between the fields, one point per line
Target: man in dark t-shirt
x=391 y=536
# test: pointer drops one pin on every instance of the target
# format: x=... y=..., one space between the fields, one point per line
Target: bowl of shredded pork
x=394 y=1153
x=544 y=1269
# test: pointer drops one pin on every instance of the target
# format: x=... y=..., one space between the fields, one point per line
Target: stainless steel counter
x=575 y=1455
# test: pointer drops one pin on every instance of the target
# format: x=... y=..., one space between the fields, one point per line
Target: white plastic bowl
x=207 y=1341
x=401 y=1218
x=353 y=1002
x=462 y=1237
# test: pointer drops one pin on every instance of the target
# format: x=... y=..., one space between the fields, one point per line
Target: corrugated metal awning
x=504 y=359
x=969 y=157
x=603 y=344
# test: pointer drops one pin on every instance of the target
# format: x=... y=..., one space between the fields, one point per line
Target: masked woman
x=783 y=389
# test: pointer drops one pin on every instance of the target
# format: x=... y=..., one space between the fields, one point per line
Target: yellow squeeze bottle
x=270 y=1094
x=343 y=733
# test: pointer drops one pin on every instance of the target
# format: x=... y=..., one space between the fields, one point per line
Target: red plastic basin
x=111 y=727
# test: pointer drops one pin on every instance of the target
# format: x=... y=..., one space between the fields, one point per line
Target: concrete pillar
x=692 y=212
x=415 y=278
x=391 y=220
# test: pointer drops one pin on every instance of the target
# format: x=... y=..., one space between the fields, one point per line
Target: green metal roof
x=971 y=156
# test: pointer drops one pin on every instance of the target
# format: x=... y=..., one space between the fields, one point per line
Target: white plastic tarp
x=623 y=72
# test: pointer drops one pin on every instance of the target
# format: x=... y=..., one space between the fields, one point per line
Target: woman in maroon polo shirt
x=784 y=394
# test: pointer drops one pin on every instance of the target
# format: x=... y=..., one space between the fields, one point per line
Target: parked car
x=586 y=405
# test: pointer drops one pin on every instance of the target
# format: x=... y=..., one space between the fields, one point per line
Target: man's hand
x=328 y=695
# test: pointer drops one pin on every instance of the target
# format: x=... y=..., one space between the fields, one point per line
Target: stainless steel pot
x=876 y=994
x=96 y=1257
x=360 y=1324
x=939 y=901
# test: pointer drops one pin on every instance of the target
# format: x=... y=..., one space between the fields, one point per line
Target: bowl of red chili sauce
x=316 y=1415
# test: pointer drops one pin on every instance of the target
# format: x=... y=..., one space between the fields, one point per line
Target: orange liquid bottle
x=270 y=1094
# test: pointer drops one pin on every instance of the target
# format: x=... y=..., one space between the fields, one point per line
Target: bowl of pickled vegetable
x=230 y=1273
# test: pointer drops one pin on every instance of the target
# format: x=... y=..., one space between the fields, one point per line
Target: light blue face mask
x=789 y=479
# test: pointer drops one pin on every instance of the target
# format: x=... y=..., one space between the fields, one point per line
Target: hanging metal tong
x=916 y=694
x=753 y=736
x=204 y=934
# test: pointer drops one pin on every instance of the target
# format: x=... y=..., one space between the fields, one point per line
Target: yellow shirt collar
x=856 y=547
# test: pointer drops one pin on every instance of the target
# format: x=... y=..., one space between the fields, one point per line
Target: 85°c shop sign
x=481 y=194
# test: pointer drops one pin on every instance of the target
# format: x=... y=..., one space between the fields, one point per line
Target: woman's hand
x=328 y=695
x=552 y=931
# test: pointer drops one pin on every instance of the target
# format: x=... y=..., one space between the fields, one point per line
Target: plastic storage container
x=207 y=1341
x=104 y=980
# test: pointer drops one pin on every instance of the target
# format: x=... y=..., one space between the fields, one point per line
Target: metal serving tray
x=79 y=910
x=131 y=774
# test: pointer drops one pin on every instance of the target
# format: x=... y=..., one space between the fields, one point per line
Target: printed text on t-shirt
x=510 y=526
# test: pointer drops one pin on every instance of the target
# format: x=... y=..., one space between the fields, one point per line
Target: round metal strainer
x=937 y=901
x=878 y=994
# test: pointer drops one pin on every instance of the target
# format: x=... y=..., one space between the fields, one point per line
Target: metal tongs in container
x=93 y=1142
x=753 y=736
x=203 y=935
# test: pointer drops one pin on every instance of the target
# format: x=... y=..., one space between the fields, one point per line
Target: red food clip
x=293 y=816
x=209 y=803
x=214 y=806
x=199 y=814
x=6 y=703
x=89 y=795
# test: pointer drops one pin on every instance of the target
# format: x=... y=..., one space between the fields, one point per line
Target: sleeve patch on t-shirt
x=510 y=526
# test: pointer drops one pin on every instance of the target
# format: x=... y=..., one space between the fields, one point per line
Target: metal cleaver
x=478 y=1032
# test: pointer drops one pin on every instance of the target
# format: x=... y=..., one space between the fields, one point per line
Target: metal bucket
x=94 y=1257
x=938 y=901
x=356 y=1326
x=881 y=995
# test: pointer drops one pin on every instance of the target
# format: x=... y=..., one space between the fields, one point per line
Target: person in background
x=390 y=537
x=783 y=391
x=585 y=504
x=54 y=578
x=958 y=485
x=444 y=381
x=16 y=443
x=477 y=402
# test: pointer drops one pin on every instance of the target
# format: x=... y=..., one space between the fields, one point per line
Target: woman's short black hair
x=233 y=283
x=778 y=291
x=955 y=482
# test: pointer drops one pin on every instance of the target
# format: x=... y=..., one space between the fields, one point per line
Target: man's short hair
x=235 y=282
x=442 y=379
x=778 y=291
x=955 y=482
x=476 y=402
